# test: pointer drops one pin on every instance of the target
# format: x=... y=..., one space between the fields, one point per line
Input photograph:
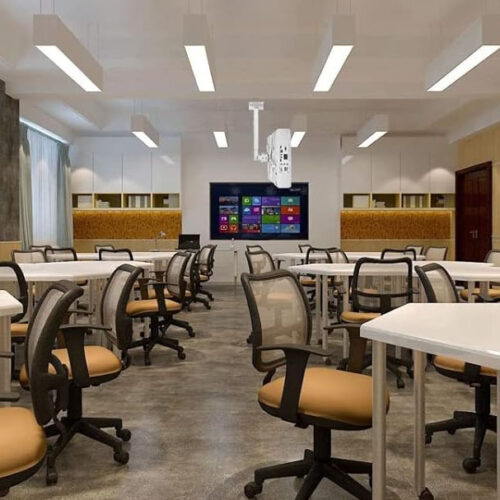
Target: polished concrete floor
x=198 y=432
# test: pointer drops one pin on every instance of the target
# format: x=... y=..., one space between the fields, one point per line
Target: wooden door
x=474 y=212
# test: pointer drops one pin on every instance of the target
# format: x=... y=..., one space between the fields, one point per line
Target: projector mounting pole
x=256 y=107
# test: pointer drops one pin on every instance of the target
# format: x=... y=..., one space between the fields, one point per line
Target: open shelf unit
x=409 y=201
x=129 y=201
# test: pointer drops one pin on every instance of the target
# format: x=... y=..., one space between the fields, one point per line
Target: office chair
x=60 y=254
x=192 y=277
x=439 y=287
x=396 y=253
x=320 y=397
x=259 y=262
x=13 y=280
x=493 y=257
x=161 y=310
x=69 y=369
x=255 y=248
x=419 y=249
x=115 y=254
x=206 y=261
x=40 y=247
x=104 y=246
x=304 y=247
x=378 y=286
x=28 y=256
x=23 y=440
x=436 y=253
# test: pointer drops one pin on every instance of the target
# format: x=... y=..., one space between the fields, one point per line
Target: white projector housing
x=279 y=153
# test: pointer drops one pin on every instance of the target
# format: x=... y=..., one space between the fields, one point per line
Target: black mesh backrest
x=436 y=253
x=419 y=249
x=396 y=253
x=280 y=314
x=381 y=285
x=28 y=256
x=338 y=256
x=255 y=248
x=191 y=272
x=320 y=255
x=174 y=279
x=115 y=297
x=493 y=257
x=105 y=247
x=60 y=254
x=206 y=259
x=12 y=279
x=259 y=262
x=437 y=283
x=304 y=247
x=50 y=312
x=115 y=254
x=40 y=247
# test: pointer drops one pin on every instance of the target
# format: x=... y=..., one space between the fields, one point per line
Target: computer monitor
x=189 y=242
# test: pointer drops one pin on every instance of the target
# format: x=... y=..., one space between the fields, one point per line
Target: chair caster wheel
x=252 y=489
x=249 y=339
x=409 y=372
x=121 y=457
x=471 y=464
x=428 y=439
x=51 y=477
x=191 y=333
x=124 y=434
x=426 y=495
x=342 y=366
x=208 y=306
x=452 y=431
x=328 y=362
x=181 y=355
x=400 y=383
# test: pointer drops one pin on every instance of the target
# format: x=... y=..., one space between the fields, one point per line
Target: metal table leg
x=5 y=362
x=318 y=308
x=419 y=430
x=470 y=289
x=345 y=334
x=379 y=424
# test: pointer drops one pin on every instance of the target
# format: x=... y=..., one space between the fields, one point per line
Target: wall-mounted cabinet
x=137 y=172
x=139 y=200
x=107 y=173
x=166 y=200
x=415 y=200
x=410 y=201
x=443 y=200
x=108 y=200
x=385 y=200
x=83 y=200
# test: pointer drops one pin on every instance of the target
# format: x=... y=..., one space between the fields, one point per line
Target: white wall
x=316 y=161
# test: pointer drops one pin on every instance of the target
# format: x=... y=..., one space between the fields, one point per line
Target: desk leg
x=470 y=289
x=324 y=310
x=419 y=430
x=5 y=346
x=345 y=334
x=379 y=411
x=318 y=308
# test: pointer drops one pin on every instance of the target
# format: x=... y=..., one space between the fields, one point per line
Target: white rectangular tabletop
x=140 y=256
x=466 y=331
x=71 y=271
x=459 y=271
x=9 y=305
x=352 y=256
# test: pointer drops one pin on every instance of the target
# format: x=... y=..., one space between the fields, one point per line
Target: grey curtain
x=64 y=201
x=25 y=198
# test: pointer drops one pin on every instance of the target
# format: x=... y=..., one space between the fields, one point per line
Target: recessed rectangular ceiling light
x=198 y=48
x=220 y=138
x=335 y=49
x=57 y=42
x=372 y=130
x=141 y=127
x=479 y=41
x=297 y=139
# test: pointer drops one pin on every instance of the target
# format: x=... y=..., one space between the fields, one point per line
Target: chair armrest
x=488 y=300
x=336 y=326
x=296 y=356
x=80 y=311
x=6 y=354
x=84 y=327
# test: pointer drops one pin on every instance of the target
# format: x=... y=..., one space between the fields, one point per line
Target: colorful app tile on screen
x=289 y=219
x=271 y=228
x=270 y=219
x=234 y=219
x=246 y=210
x=290 y=228
x=271 y=201
x=224 y=228
x=251 y=228
x=246 y=200
x=256 y=210
x=290 y=210
x=228 y=209
x=223 y=219
x=256 y=200
x=290 y=200
x=251 y=219
x=233 y=228
x=228 y=200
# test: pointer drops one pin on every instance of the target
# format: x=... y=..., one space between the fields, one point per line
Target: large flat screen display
x=258 y=211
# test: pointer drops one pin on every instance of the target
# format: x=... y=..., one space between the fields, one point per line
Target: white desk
x=465 y=331
x=471 y=272
x=8 y=307
x=294 y=257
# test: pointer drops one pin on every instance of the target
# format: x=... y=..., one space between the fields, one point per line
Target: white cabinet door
x=82 y=174
x=107 y=172
x=356 y=174
x=386 y=174
x=166 y=173
x=415 y=176
x=137 y=172
x=442 y=173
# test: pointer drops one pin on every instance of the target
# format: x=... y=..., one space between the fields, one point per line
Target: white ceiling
x=264 y=49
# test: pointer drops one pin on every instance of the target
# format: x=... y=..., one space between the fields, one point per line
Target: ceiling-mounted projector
x=279 y=150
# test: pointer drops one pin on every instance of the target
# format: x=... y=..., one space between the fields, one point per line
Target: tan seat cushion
x=493 y=293
x=100 y=362
x=152 y=293
x=330 y=394
x=136 y=307
x=457 y=365
x=204 y=277
x=358 y=317
x=307 y=281
x=23 y=441
x=18 y=330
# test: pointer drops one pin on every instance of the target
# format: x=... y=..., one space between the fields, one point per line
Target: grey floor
x=198 y=432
